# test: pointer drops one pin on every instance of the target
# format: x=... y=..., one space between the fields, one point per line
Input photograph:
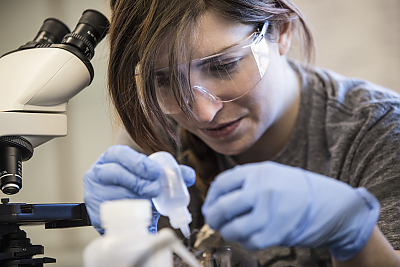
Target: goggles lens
x=222 y=77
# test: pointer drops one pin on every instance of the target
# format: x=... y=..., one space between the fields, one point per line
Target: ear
x=285 y=38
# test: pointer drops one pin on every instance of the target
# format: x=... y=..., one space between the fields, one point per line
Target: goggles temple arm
x=264 y=28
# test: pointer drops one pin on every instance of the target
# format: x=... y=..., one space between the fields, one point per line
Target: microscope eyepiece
x=51 y=32
x=90 y=30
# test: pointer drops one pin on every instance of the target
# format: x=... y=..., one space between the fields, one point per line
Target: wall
x=357 y=38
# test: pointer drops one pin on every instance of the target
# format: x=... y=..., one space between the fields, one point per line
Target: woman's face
x=231 y=128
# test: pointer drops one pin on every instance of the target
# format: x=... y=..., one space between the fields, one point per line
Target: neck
x=276 y=137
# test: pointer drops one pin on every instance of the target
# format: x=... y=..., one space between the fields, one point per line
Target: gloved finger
x=133 y=161
x=97 y=194
x=252 y=243
x=94 y=216
x=113 y=192
x=224 y=183
x=246 y=225
x=261 y=240
x=188 y=174
x=96 y=191
x=227 y=207
x=260 y=228
x=99 y=229
x=115 y=174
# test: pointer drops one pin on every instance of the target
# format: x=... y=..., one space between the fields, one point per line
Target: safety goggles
x=221 y=77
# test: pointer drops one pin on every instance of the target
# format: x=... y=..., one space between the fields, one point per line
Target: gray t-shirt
x=346 y=129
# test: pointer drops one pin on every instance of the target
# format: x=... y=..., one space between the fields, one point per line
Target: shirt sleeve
x=376 y=167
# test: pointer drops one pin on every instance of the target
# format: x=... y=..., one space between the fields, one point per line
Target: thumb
x=188 y=174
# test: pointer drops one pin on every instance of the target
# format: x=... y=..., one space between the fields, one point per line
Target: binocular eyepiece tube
x=51 y=32
x=91 y=28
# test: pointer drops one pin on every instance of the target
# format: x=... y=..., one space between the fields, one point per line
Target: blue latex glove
x=268 y=204
x=123 y=173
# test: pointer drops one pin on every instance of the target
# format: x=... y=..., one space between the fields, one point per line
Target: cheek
x=266 y=100
x=182 y=121
x=271 y=87
x=273 y=78
x=266 y=96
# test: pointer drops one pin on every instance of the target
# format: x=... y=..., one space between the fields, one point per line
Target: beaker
x=216 y=257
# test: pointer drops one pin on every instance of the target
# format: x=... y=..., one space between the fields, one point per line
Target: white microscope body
x=36 y=82
x=35 y=87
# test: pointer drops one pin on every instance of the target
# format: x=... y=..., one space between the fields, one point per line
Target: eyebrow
x=164 y=70
x=224 y=49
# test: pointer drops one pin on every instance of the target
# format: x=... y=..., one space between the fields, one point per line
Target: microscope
x=36 y=82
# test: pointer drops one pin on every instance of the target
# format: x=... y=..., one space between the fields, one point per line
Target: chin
x=230 y=149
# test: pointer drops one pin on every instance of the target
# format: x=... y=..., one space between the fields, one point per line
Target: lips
x=223 y=130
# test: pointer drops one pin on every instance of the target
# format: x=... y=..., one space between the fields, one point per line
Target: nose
x=205 y=106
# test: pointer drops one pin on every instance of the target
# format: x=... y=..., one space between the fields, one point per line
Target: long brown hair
x=136 y=31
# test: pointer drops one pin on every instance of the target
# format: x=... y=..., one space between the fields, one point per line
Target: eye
x=228 y=67
x=162 y=81
x=224 y=67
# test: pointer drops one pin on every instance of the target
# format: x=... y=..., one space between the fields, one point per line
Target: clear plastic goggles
x=222 y=77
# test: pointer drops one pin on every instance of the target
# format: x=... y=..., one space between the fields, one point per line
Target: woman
x=303 y=161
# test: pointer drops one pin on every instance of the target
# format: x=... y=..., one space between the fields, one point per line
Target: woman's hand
x=121 y=173
x=268 y=204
